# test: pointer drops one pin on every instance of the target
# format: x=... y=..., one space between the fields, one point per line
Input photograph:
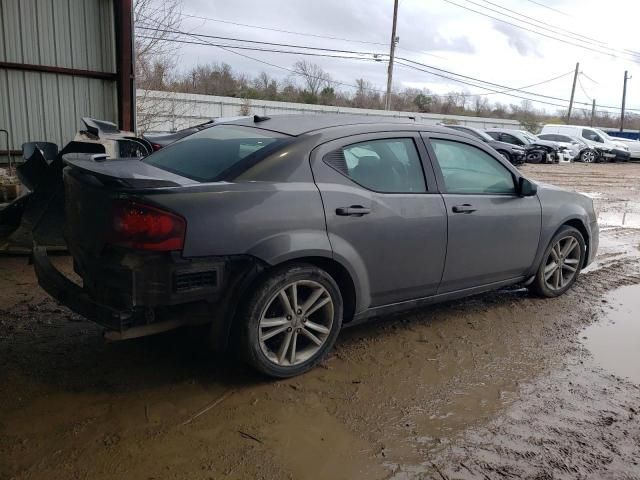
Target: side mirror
x=526 y=188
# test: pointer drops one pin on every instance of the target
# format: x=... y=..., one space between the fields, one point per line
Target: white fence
x=173 y=111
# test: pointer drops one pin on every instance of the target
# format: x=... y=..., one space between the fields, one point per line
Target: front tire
x=561 y=263
x=291 y=321
x=588 y=156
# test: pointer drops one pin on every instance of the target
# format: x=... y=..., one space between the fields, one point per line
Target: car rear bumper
x=174 y=295
x=73 y=296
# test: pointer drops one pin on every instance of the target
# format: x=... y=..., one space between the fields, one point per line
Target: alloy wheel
x=296 y=323
x=588 y=156
x=562 y=263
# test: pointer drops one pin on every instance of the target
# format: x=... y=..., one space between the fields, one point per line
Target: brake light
x=143 y=227
x=156 y=146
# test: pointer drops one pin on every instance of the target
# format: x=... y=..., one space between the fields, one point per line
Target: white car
x=633 y=145
x=612 y=150
x=578 y=148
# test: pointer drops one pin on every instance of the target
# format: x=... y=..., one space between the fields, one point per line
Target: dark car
x=160 y=140
x=537 y=151
x=279 y=232
x=513 y=153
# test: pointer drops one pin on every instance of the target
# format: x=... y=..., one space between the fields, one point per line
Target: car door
x=384 y=215
x=493 y=233
x=513 y=140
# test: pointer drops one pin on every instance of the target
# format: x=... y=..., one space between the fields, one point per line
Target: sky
x=440 y=34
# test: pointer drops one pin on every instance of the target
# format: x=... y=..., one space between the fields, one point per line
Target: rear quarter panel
x=270 y=220
x=272 y=211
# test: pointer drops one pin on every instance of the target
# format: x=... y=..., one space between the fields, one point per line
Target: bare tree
x=314 y=76
x=155 y=20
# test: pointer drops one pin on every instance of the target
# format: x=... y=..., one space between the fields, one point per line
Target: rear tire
x=561 y=263
x=291 y=321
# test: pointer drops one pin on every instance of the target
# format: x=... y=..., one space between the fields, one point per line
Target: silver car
x=276 y=233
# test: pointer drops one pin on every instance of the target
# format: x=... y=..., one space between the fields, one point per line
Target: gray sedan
x=275 y=233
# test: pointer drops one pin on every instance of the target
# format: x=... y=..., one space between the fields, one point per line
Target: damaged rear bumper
x=188 y=304
x=72 y=295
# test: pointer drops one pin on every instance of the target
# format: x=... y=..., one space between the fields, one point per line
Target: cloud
x=518 y=39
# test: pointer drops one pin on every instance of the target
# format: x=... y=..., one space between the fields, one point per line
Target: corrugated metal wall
x=76 y=34
x=173 y=111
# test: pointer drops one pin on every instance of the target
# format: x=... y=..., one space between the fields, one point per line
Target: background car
x=276 y=232
x=611 y=150
x=632 y=145
x=513 y=153
x=537 y=151
x=579 y=149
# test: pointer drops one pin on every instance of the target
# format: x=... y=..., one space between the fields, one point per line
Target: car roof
x=300 y=124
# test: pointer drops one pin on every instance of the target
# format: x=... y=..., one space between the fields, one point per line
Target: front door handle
x=466 y=208
x=353 y=211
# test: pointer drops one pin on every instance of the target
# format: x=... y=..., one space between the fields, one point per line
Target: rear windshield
x=214 y=153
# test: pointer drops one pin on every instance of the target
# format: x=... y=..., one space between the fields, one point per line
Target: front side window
x=387 y=166
x=469 y=170
x=208 y=155
x=591 y=135
x=508 y=138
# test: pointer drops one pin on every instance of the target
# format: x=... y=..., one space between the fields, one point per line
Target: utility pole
x=624 y=99
x=573 y=91
x=593 y=111
x=387 y=103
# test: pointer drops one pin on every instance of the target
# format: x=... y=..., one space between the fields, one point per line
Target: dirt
x=502 y=385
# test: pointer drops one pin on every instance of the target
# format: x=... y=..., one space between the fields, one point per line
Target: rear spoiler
x=123 y=172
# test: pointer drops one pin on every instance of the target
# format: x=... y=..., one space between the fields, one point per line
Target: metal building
x=61 y=60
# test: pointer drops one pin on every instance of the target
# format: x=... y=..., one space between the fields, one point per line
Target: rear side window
x=213 y=153
x=467 y=169
x=387 y=166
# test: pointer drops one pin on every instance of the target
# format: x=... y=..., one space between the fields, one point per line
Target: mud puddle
x=615 y=341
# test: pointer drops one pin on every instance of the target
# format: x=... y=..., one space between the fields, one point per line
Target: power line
x=305 y=34
x=583 y=90
x=291 y=32
x=548 y=7
x=229 y=49
x=545 y=28
x=579 y=37
x=499 y=92
x=465 y=82
x=289 y=45
x=532 y=31
x=532 y=85
x=256 y=49
x=374 y=54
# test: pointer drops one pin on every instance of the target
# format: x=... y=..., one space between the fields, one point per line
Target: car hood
x=546 y=143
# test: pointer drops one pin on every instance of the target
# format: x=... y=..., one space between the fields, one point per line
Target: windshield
x=603 y=134
x=208 y=155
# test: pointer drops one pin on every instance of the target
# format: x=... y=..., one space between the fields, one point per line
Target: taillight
x=156 y=146
x=143 y=227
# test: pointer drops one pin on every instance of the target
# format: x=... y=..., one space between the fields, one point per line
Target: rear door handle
x=353 y=211
x=466 y=208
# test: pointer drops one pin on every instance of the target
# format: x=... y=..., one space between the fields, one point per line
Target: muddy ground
x=497 y=386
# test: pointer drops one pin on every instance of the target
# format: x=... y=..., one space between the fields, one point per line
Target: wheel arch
x=338 y=272
x=579 y=225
